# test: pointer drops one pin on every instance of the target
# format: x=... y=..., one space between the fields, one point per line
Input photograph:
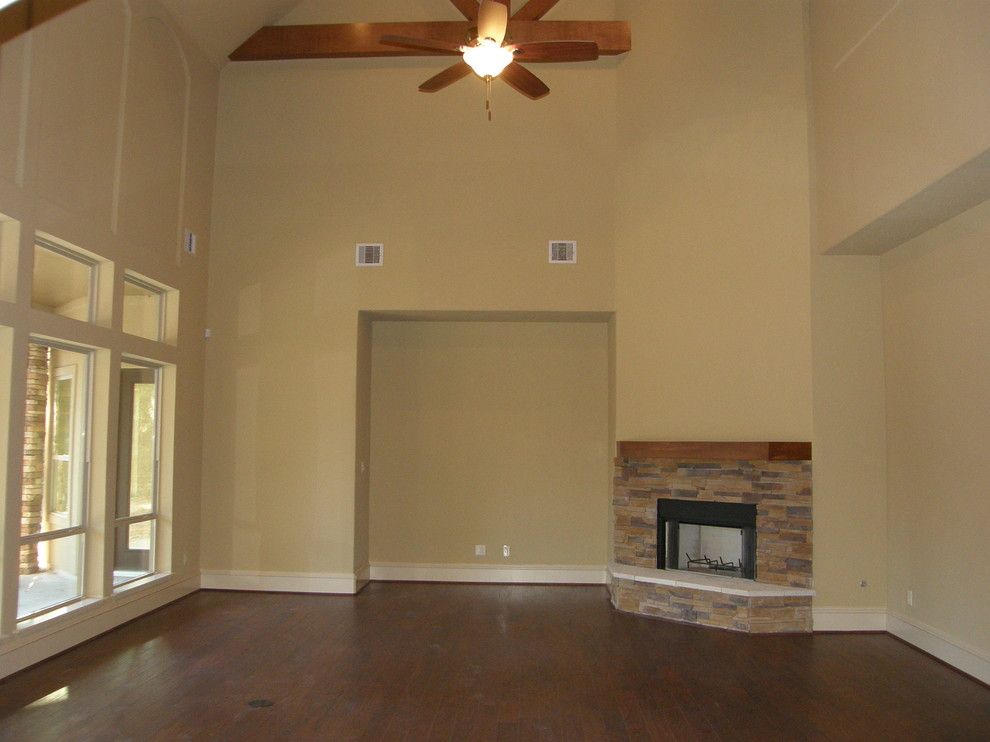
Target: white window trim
x=153 y=516
x=83 y=497
x=160 y=292
x=93 y=265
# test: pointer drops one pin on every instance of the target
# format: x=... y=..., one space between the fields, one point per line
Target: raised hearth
x=658 y=482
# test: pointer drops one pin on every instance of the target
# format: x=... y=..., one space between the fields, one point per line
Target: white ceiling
x=220 y=26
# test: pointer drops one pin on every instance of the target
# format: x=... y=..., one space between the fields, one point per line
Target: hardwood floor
x=486 y=662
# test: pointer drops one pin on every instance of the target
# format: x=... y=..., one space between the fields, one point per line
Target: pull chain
x=488 y=96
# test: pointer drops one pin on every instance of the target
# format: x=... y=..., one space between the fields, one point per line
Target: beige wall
x=711 y=228
x=109 y=146
x=901 y=107
x=936 y=332
x=849 y=433
x=316 y=156
x=489 y=433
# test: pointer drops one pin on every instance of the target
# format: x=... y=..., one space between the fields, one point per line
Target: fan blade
x=448 y=77
x=534 y=10
x=556 y=51
x=431 y=44
x=524 y=81
x=493 y=18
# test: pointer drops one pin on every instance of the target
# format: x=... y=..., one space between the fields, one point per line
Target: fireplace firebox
x=712 y=537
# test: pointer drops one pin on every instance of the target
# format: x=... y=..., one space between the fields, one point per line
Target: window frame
x=62 y=373
x=154 y=514
x=161 y=293
x=84 y=479
x=78 y=257
x=70 y=550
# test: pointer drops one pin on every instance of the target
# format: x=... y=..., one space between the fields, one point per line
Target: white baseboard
x=492 y=573
x=38 y=643
x=960 y=655
x=281 y=582
x=849 y=619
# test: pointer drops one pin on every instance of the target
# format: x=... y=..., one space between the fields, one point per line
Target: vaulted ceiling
x=220 y=26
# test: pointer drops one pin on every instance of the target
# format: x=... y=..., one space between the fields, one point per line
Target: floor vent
x=563 y=252
x=370 y=254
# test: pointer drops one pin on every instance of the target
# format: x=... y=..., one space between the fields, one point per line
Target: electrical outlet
x=479 y=550
x=910 y=597
x=506 y=551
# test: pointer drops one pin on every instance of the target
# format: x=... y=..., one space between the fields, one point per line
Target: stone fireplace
x=718 y=534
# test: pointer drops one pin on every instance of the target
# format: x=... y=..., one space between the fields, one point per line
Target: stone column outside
x=33 y=486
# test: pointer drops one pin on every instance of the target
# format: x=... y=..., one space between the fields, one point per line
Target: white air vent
x=370 y=254
x=563 y=252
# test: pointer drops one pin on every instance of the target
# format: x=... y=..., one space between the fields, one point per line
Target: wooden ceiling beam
x=534 y=10
x=347 y=40
x=468 y=8
x=22 y=16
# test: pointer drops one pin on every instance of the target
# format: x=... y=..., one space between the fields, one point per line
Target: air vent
x=369 y=254
x=563 y=252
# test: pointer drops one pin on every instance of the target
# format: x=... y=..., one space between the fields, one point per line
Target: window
x=137 y=472
x=60 y=469
x=144 y=308
x=55 y=478
x=64 y=281
x=83 y=524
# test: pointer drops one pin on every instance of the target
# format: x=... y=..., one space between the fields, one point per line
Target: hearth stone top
x=709 y=583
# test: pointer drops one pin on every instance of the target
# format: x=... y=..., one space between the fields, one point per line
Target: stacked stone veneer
x=755 y=615
x=781 y=491
x=33 y=482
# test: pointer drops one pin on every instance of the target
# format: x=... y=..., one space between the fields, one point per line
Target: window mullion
x=37 y=538
x=132 y=519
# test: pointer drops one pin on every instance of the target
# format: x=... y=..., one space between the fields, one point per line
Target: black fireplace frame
x=721 y=514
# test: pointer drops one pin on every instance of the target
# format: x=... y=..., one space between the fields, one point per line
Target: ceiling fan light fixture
x=488 y=58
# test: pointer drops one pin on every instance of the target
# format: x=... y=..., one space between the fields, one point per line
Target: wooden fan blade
x=448 y=77
x=468 y=8
x=432 y=44
x=525 y=81
x=534 y=10
x=556 y=51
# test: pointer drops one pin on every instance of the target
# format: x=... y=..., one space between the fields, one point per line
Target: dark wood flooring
x=485 y=662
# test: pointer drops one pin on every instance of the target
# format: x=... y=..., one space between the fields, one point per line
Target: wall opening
x=486 y=429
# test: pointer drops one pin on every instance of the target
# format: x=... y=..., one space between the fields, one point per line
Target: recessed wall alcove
x=484 y=428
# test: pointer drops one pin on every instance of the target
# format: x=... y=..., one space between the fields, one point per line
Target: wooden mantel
x=716 y=450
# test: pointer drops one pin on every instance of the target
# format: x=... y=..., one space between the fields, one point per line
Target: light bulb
x=487 y=59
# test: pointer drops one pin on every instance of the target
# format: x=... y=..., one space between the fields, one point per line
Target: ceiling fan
x=490 y=43
x=488 y=56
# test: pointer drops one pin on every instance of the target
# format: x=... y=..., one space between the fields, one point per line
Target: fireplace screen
x=711 y=537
